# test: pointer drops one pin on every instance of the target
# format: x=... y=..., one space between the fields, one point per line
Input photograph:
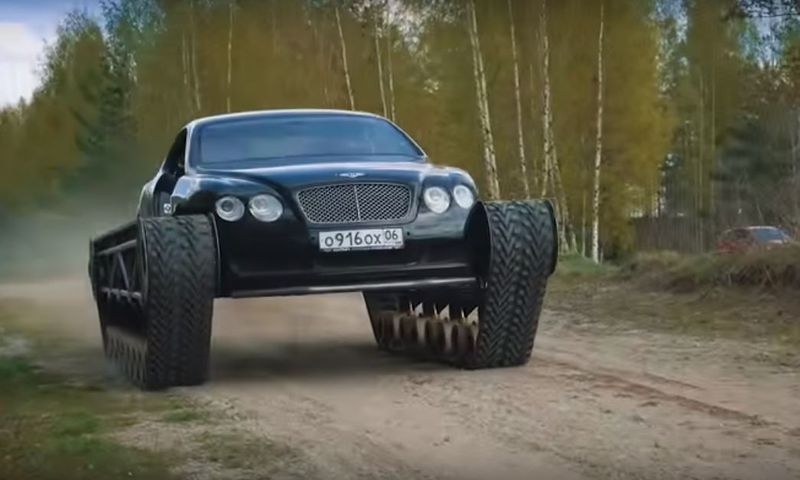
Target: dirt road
x=304 y=372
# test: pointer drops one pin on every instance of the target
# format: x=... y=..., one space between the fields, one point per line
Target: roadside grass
x=574 y=265
x=775 y=269
x=246 y=452
x=51 y=429
x=184 y=415
x=64 y=424
x=702 y=296
x=61 y=426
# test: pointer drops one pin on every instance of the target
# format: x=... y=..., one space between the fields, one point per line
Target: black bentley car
x=291 y=202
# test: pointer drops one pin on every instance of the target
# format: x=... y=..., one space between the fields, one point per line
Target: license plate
x=367 y=239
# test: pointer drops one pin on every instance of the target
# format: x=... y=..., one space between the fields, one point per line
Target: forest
x=649 y=123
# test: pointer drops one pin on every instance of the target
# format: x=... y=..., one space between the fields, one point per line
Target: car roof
x=279 y=112
x=760 y=227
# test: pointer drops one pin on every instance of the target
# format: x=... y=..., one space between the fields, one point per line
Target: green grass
x=750 y=297
x=50 y=429
x=746 y=314
x=243 y=452
x=67 y=426
x=574 y=265
x=183 y=415
x=775 y=269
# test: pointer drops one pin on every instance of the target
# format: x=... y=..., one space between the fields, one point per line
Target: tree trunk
x=185 y=67
x=566 y=231
x=700 y=161
x=546 y=107
x=390 y=72
x=598 y=154
x=583 y=224
x=230 y=56
x=380 y=66
x=523 y=169
x=795 y=135
x=198 y=105
x=533 y=111
x=344 y=61
x=489 y=160
x=274 y=32
x=551 y=171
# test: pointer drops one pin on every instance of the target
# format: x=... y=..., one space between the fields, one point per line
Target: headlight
x=463 y=196
x=266 y=208
x=230 y=208
x=436 y=199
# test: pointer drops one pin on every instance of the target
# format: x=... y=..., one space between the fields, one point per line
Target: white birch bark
x=344 y=60
x=583 y=223
x=390 y=74
x=185 y=70
x=533 y=113
x=598 y=155
x=230 y=56
x=198 y=104
x=546 y=113
x=566 y=231
x=380 y=65
x=523 y=168
x=552 y=172
x=489 y=160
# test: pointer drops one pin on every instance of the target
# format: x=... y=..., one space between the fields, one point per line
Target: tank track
x=494 y=324
x=154 y=282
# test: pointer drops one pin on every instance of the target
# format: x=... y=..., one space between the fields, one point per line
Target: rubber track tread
x=171 y=347
x=521 y=255
x=520 y=260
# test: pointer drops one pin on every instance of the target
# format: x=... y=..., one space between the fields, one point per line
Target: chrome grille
x=355 y=202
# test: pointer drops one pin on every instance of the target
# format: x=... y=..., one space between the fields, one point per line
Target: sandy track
x=637 y=405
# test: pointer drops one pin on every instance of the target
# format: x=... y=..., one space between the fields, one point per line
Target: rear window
x=769 y=234
x=255 y=139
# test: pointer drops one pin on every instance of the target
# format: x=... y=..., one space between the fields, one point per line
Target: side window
x=173 y=164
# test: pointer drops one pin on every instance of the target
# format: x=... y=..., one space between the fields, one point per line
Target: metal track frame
x=116 y=270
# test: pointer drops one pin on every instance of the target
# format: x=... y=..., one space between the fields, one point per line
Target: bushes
x=777 y=268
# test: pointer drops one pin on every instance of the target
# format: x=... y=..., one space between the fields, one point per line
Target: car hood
x=298 y=175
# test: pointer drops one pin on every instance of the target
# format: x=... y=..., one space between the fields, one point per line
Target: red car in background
x=746 y=239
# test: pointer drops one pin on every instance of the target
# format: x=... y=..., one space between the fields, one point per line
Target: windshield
x=299 y=136
x=769 y=234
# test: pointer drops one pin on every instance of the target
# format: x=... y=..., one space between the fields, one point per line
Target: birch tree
x=376 y=36
x=489 y=160
x=345 y=65
x=198 y=104
x=390 y=74
x=598 y=156
x=552 y=172
x=523 y=169
x=547 y=114
x=230 y=56
x=185 y=71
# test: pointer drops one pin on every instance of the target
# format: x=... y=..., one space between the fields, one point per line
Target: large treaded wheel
x=521 y=256
x=514 y=252
x=166 y=341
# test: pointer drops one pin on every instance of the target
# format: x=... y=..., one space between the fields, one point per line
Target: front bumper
x=283 y=257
